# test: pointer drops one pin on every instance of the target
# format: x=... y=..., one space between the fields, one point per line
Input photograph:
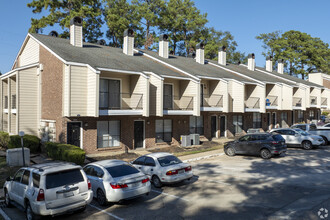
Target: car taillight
x=41 y=195
x=187 y=168
x=145 y=180
x=118 y=186
x=275 y=142
x=172 y=172
x=89 y=184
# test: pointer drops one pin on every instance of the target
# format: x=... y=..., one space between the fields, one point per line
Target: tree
x=61 y=12
x=269 y=42
x=181 y=19
x=149 y=12
x=120 y=15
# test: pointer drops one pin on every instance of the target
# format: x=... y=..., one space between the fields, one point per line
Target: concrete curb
x=203 y=158
x=4 y=215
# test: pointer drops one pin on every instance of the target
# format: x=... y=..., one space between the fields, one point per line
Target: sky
x=245 y=19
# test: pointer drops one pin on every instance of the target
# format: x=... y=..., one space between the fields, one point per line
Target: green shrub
x=4 y=139
x=29 y=141
x=65 y=152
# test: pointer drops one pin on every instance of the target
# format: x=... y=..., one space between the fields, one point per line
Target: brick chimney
x=222 y=56
x=280 y=66
x=128 y=42
x=200 y=53
x=269 y=63
x=76 y=33
x=163 y=46
x=251 y=62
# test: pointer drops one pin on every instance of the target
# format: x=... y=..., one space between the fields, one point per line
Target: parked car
x=327 y=125
x=116 y=180
x=48 y=189
x=324 y=132
x=163 y=168
x=299 y=138
x=263 y=144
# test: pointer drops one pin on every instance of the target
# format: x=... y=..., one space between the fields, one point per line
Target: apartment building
x=104 y=98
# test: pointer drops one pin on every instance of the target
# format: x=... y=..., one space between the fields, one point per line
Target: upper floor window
x=6 y=102
x=13 y=102
x=110 y=97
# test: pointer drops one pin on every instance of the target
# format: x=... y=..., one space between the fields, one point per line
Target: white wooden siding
x=78 y=97
x=156 y=96
x=30 y=53
x=275 y=90
x=192 y=89
x=236 y=96
x=140 y=85
x=28 y=101
x=66 y=91
x=257 y=91
x=316 y=78
x=4 y=115
x=91 y=93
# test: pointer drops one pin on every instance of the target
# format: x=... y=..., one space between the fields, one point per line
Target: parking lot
x=292 y=187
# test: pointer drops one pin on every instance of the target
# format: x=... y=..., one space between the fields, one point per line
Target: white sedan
x=116 y=180
x=163 y=168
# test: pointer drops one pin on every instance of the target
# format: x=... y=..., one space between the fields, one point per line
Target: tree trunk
x=290 y=68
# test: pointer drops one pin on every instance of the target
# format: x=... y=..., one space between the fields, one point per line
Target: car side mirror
x=9 y=178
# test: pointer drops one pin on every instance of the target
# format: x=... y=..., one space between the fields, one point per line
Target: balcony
x=324 y=102
x=313 y=101
x=13 y=104
x=252 y=104
x=271 y=102
x=5 y=109
x=175 y=105
x=296 y=103
x=121 y=104
x=211 y=103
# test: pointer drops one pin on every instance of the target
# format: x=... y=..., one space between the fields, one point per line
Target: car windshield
x=122 y=170
x=303 y=133
x=168 y=161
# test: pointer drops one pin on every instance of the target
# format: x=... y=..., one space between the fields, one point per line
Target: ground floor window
x=311 y=115
x=108 y=134
x=163 y=130
x=256 y=120
x=238 y=123
x=196 y=125
x=284 y=119
x=300 y=116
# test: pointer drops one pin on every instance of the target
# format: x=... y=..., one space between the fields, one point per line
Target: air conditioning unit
x=194 y=139
x=185 y=140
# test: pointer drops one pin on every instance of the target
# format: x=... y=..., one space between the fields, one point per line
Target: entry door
x=138 y=133
x=274 y=119
x=268 y=120
x=202 y=95
x=168 y=96
x=213 y=126
x=74 y=133
x=222 y=126
x=114 y=94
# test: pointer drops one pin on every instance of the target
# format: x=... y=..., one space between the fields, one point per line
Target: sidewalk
x=201 y=156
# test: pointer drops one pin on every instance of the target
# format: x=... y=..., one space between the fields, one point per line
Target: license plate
x=68 y=194
x=181 y=171
x=134 y=184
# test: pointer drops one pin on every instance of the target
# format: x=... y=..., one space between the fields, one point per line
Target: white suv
x=49 y=189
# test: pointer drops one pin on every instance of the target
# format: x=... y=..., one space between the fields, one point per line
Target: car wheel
x=307 y=145
x=265 y=154
x=230 y=151
x=29 y=215
x=7 y=199
x=101 y=199
x=325 y=140
x=156 y=181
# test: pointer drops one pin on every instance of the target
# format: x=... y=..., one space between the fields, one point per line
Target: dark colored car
x=264 y=145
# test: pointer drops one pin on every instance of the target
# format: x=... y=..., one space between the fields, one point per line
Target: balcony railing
x=324 y=101
x=252 y=102
x=313 y=100
x=13 y=102
x=212 y=101
x=296 y=102
x=121 y=101
x=271 y=101
x=178 y=103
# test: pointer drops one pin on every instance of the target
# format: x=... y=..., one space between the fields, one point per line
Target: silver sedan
x=116 y=180
x=163 y=168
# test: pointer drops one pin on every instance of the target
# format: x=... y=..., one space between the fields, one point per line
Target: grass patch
x=189 y=152
x=5 y=171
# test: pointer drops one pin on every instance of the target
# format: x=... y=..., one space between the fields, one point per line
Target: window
x=150 y=162
x=94 y=171
x=13 y=102
x=6 y=102
x=300 y=116
x=26 y=177
x=256 y=120
x=122 y=170
x=110 y=97
x=18 y=175
x=238 y=123
x=140 y=160
x=108 y=134
x=196 y=125
x=62 y=178
x=163 y=130
x=311 y=114
x=284 y=117
x=312 y=127
x=168 y=160
x=244 y=138
x=36 y=180
x=104 y=93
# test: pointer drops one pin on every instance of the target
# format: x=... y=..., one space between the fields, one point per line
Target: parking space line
x=166 y=194
x=108 y=213
x=4 y=215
